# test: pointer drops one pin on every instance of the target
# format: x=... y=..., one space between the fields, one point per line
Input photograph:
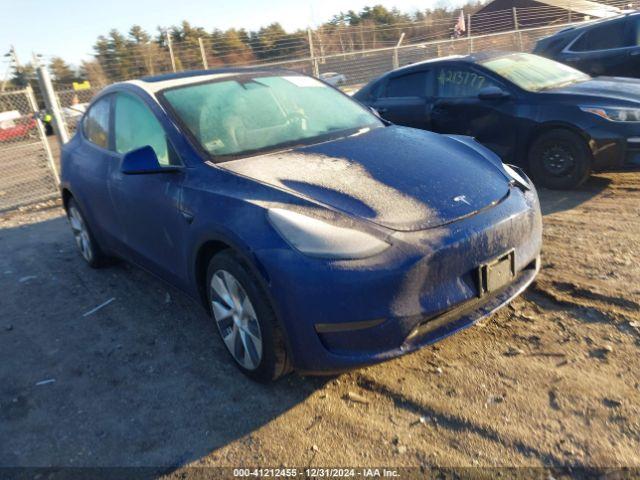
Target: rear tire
x=245 y=320
x=86 y=242
x=559 y=159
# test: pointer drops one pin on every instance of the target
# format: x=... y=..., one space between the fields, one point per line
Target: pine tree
x=61 y=72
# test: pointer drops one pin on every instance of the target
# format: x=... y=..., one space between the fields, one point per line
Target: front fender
x=489 y=155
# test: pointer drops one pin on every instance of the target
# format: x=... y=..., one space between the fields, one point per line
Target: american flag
x=460 y=27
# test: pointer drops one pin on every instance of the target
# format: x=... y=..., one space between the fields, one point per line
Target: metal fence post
x=469 y=37
x=42 y=133
x=51 y=102
x=517 y=28
x=314 y=61
x=170 y=45
x=205 y=64
x=396 y=62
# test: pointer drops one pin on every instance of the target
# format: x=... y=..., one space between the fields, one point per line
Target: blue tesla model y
x=318 y=236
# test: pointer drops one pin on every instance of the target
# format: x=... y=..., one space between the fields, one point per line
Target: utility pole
x=173 y=59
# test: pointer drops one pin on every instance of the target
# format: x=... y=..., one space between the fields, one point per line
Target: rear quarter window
x=95 y=125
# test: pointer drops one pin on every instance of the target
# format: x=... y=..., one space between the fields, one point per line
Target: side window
x=410 y=85
x=96 y=123
x=376 y=90
x=461 y=82
x=635 y=30
x=602 y=37
x=136 y=126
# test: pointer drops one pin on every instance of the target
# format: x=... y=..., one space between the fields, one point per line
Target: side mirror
x=143 y=160
x=493 y=93
x=378 y=114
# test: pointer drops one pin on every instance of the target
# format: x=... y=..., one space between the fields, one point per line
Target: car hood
x=399 y=178
x=614 y=88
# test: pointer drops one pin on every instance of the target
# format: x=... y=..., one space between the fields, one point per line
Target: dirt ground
x=553 y=379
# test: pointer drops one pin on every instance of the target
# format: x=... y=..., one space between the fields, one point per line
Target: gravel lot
x=554 y=379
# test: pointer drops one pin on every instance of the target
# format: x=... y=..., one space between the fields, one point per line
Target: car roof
x=588 y=24
x=471 y=58
x=155 y=83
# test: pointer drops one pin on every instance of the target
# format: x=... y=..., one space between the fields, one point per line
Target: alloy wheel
x=236 y=319
x=81 y=234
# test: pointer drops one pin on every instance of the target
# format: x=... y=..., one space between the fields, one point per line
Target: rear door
x=459 y=110
x=609 y=49
x=406 y=99
x=92 y=162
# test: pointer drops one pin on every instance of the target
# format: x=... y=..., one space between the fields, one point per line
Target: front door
x=459 y=109
x=148 y=204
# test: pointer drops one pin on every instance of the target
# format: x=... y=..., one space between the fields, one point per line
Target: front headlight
x=317 y=238
x=517 y=175
x=615 y=114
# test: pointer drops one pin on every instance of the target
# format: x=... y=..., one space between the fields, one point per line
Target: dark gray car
x=607 y=47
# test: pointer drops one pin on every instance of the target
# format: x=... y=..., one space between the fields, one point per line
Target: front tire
x=245 y=320
x=560 y=160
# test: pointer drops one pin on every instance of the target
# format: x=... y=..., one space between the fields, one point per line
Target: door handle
x=382 y=110
x=188 y=216
x=635 y=53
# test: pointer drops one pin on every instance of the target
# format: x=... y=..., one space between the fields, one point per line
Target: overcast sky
x=68 y=28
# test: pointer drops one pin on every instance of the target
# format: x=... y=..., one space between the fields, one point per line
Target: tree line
x=137 y=53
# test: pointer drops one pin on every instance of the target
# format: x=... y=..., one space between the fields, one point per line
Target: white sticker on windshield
x=304 y=81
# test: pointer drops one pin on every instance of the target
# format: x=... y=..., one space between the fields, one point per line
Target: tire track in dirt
x=455 y=423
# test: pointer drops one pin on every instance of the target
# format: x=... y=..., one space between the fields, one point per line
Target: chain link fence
x=349 y=70
x=355 y=69
x=28 y=167
x=26 y=162
x=73 y=104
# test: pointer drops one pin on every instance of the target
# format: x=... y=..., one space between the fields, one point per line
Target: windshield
x=255 y=113
x=534 y=73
